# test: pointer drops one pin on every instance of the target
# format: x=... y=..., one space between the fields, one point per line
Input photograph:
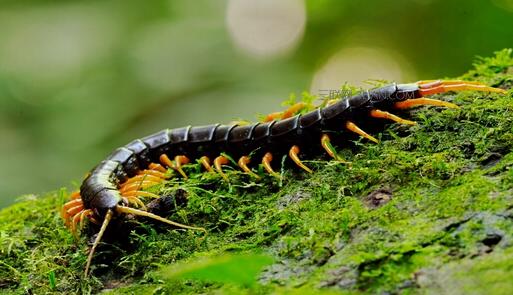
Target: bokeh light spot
x=266 y=28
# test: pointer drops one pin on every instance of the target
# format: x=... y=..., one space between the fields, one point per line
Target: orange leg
x=409 y=103
x=74 y=210
x=75 y=195
x=131 y=189
x=71 y=208
x=153 y=173
x=326 y=145
x=75 y=220
x=352 y=127
x=243 y=164
x=135 y=201
x=273 y=116
x=64 y=212
x=386 y=115
x=143 y=182
x=293 y=154
x=140 y=194
x=205 y=161
x=86 y=213
x=142 y=177
x=291 y=111
x=218 y=163
x=266 y=161
x=137 y=186
x=71 y=204
x=157 y=167
x=180 y=160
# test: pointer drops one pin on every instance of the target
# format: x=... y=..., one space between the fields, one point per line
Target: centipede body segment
x=117 y=185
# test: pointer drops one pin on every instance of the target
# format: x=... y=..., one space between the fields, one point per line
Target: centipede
x=117 y=185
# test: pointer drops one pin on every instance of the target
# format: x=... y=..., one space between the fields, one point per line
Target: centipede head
x=121 y=209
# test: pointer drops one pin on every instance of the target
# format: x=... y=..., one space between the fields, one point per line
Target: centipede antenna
x=128 y=210
x=243 y=164
x=266 y=161
x=218 y=163
x=409 y=103
x=106 y=221
x=205 y=161
x=293 y=153
x=352 y=127
x=386 y=115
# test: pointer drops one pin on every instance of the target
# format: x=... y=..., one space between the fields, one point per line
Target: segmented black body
x=99 y=191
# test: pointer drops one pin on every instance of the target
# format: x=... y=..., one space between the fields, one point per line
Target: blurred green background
x=80 y=78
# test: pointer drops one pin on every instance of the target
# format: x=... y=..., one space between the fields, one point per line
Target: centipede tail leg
x=218 y=163
x=440 y=86
x=449 y=82
x=352 y=127
x=293 y=154
x=243 y=164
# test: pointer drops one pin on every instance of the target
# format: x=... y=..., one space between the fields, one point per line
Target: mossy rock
x=427 y=210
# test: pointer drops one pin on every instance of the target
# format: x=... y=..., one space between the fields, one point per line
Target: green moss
x=427 y=209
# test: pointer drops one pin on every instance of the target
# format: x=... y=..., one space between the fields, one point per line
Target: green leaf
x=51 y=279
x=239 y=269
